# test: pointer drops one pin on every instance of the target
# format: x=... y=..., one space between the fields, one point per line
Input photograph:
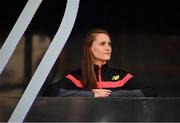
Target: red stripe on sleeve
x=74 y=80
x=107 y=84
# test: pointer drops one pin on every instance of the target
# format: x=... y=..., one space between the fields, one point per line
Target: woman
x=96 y=78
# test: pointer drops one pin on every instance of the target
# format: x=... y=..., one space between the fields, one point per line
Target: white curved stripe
x=47 y=62
x=17 y=32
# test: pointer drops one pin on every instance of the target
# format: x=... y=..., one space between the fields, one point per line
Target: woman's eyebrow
x=105 y=41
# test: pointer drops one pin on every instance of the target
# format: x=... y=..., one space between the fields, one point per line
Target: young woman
x=96 y=78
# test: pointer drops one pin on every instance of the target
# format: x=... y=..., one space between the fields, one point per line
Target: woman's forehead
x=102 y=37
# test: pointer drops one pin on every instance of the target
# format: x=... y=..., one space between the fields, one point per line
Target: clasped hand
x=101 y=92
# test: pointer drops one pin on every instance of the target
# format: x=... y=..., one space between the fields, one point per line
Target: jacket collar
x=97 y=67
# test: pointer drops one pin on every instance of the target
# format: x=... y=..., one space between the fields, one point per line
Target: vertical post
x=28 y=58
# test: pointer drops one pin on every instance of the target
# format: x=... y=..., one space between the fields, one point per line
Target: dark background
x=145 y=36
x=117 y=16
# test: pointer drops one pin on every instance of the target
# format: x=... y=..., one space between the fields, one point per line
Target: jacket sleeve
x=54 y=89
x=75 y=93
x=127 y=93
x=134 y=84
x=65 y=88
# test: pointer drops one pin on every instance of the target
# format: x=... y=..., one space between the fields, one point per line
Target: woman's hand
x=101 y=92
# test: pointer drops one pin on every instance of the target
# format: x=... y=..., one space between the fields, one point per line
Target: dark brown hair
x=88 y=76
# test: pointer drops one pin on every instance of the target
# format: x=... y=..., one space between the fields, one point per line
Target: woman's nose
x=108 y=47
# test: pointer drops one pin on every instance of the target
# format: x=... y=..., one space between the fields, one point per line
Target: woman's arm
x=53 y=90
x=134 y=84
x=74 y=93
x=127 y=93
x=84 y=93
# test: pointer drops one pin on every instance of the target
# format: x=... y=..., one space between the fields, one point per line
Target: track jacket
x=120 y=82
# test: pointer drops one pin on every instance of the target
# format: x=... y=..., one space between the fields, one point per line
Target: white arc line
x=47 y=62
x=17 y=32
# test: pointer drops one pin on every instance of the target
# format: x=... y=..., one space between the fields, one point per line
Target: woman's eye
x=102 y=43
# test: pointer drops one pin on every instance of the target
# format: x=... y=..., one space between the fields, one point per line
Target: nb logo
x=115 y=77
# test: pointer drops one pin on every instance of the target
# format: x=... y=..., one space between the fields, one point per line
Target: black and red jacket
x=121 y=83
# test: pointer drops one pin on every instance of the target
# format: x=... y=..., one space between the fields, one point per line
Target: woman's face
x=101 y=48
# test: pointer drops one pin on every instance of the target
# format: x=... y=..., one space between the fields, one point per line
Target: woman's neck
x=100 y=63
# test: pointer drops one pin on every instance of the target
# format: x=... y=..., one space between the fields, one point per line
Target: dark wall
x=118 y=16
x=145 y=35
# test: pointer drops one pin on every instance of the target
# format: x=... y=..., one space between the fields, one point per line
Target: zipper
x=99 y=76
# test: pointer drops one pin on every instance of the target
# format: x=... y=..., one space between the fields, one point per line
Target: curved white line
x=17 y=32
x=47 y=62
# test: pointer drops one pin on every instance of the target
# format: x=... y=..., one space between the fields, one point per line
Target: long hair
x=88 y=76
